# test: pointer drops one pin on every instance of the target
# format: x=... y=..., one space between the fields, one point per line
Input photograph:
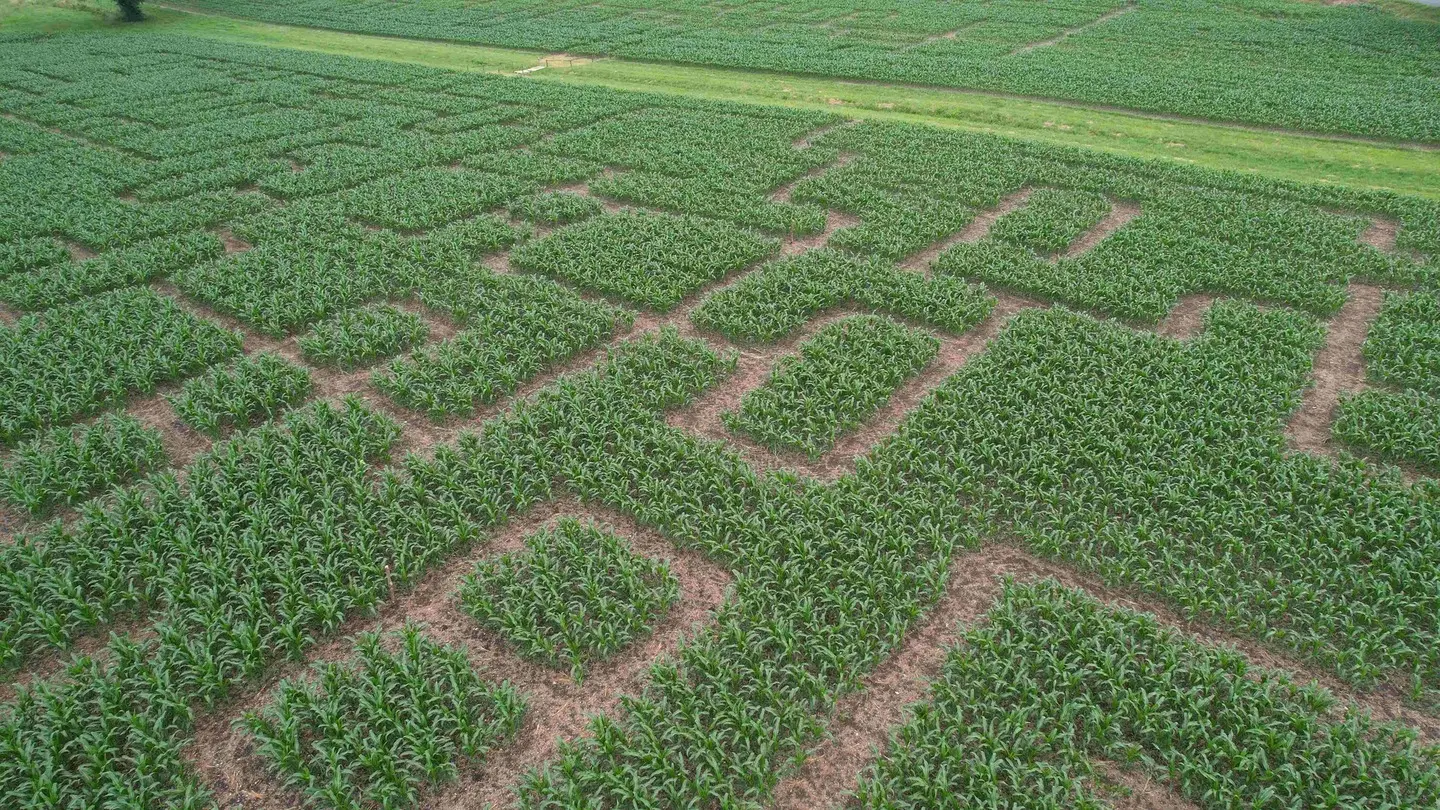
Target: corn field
x=292 y=344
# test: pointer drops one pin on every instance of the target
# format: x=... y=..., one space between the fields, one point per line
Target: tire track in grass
x=557 y=708
x=862 y=722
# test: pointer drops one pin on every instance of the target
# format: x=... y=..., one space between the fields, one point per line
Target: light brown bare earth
x=809 y=139
x=1339 y=368
x=1187 y=318
x=1121 y=212
x=1381 y=234
x=704 y=416
x=862 y=722
x=233 y=244
x=978 y=229
x=79 y=252
x=557 y=708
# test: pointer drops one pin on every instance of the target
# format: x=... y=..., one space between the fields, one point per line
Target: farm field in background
x=382 y=436
x=1361 y=69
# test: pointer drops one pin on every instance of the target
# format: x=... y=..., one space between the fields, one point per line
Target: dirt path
x=977 y=229
x=1339 y=368
x=864 y=720
x=1121 y=212
x=704 y=416
x=557 y=707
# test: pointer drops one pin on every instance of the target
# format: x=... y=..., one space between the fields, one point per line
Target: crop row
x=653 y=260
x=1402 y=354
x=59 y=283
x=374 y=731
x=1054 y=681
x=514 y=326
x=1051 y=220
x=841 y=376
x=66 y=465
x=251 y=389
x=783 y=295
x=577 y=595
x=80 y=358
x=1201 y=231
x=1274 y=64
x=1154 y=463
x=832 y=575
x=363 y=336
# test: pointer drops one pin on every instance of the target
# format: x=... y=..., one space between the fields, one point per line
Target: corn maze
x=376 y=436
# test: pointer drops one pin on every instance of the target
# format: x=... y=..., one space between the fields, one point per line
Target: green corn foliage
x=1396 y=426
x=842 y=375
x=1153 y=464
x=28 y=255
x=68 y=465
x=375 y=732
x=546 y=169
x=80 y=358
x=425 y=198
x=1154 y=59
x=1051 y=220
x=783 y=295
x=515 y=327
x=653 y=260
x=363 y=336
x=1402 y=351
x=310 y=263
x=1402 y=348
x=250 y=390
x=1053 y=679
x=60 y=283
x=556 y=207
x=577 y=595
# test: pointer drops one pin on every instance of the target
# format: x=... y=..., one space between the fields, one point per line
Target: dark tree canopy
x=130 y=10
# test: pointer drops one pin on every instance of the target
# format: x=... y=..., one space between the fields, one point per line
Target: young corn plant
x=576 y=596
x=652 y=260
x=1051 y=220
x=783 y=295
x=556 y=207
x=81 y=358
x=363 y=336
x=842 y=375
x=379 y=730
x=68 y=465
x=1054 y=679
x=250 y=390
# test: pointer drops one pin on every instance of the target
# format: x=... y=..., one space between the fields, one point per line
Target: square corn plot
x=577 y=594
x=648 y=259
x=376 y=731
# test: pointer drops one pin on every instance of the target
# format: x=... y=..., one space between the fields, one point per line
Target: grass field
x=388 y=433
